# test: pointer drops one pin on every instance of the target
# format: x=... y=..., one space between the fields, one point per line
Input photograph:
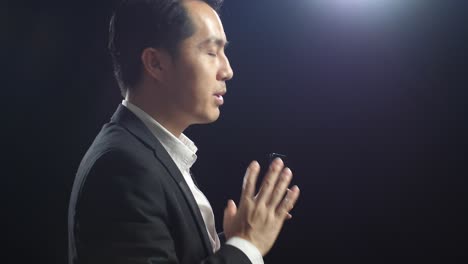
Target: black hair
x=139 y=24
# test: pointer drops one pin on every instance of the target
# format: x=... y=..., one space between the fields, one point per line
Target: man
x=133 y=200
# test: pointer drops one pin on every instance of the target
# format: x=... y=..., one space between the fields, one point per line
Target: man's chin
x=209 y=118
x=212 y=119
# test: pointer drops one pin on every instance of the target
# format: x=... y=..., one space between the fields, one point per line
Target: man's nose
x=225 y=73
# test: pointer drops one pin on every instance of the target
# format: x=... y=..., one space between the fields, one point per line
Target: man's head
x=138 y=24
x=177 y=46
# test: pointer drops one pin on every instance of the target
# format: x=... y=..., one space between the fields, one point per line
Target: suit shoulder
x=115 y=146
x=118 y=160
x=116 y=138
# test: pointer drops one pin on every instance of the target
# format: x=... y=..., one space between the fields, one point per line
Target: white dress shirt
x=182 y=151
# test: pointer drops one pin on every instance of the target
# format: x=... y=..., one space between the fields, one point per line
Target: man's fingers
x=250 y=180
x=288 y=202
x=281 y=187
x=231 y=209
x=269 y=182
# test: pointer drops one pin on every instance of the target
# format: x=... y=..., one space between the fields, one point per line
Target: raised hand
x=260 y=216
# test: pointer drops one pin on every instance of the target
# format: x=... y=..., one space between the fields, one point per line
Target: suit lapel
x=135 y=126
x=171 y=167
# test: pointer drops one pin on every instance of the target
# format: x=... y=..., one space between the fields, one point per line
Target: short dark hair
x=139 y=24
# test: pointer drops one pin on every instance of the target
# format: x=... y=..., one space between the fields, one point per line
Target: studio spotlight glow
x=357 y=11
x=357 y=4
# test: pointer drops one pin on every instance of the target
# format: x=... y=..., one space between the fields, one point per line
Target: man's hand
x=260 y=217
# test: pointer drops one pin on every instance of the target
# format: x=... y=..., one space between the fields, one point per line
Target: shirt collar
x=182 y=150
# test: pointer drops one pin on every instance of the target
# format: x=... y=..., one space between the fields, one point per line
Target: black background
x=369 y=107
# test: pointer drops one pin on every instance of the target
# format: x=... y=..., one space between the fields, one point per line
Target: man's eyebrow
x=213 y=40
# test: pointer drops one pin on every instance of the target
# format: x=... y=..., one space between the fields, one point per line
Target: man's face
x=198 y=73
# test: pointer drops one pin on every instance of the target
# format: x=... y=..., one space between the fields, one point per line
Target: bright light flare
x=357 y=5
x=356 y=11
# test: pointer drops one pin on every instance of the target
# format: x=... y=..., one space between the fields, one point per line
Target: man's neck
x=151 y=108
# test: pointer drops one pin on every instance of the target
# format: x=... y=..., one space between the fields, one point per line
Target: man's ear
x=155 y=62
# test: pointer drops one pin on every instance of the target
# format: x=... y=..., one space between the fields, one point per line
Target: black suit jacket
x=131 y=204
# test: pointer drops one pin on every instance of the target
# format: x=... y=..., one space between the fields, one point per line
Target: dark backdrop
x=369 y=104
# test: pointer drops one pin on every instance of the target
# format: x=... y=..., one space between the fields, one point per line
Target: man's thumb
x=230 y=210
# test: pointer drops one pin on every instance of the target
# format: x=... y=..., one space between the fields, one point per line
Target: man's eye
x=212 y=54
